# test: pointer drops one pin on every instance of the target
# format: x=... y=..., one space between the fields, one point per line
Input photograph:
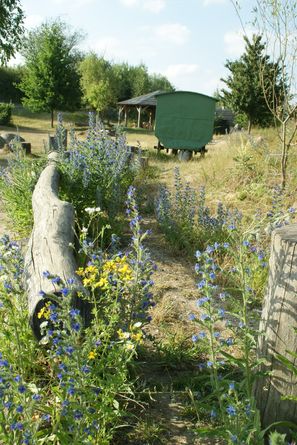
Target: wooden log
x=49 y=246
x=279 y=319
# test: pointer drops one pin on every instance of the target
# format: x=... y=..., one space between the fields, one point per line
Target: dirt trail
x=175 y=295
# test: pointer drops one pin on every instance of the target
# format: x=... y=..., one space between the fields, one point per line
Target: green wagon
x=184 y=121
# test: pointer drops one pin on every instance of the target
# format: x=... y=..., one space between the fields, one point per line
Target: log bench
x=49 y=247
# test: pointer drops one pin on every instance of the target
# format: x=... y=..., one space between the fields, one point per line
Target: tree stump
x=279 y=319
x=49 y=246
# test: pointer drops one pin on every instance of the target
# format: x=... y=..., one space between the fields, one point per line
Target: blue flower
x=231 y=386
x=17 y=426
x=21 y=389
x=46 y=274
x=201 y=284
x=19 y=409
x=74 y=312
x=194 y=338
x=71 y=391
x=191 y=317
x=229 y=341
x=77 y=415
x=204 y=317
x=65 y=291
x=234 y=438
x=209 y=364
x=231 y=410
x=213 y=413
x=201 y=301
x=202 y=334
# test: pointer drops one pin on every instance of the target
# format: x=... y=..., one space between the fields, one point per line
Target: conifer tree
x=253 y=84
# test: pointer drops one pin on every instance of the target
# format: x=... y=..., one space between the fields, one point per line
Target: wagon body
x=184 y=120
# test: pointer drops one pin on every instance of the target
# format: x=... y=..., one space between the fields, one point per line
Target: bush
x=5 y=113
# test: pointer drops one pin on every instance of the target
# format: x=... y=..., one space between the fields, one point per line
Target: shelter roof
x=144 y=100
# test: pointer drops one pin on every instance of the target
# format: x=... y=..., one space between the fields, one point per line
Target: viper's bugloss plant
x=97 y=171
x=227 y=322
x=186 y=220
x=79 y=388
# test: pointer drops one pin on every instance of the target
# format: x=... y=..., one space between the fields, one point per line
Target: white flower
x=91 y=210
x=84 y=230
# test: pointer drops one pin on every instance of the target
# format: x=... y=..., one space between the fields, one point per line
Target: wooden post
x=49 y=247
x=279 y=319
x=126 y=117
x=139 y=116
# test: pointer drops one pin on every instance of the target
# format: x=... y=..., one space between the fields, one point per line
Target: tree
x=159 y=82
x=277 y=20
x=11 y=28
x=51 y=79
x=10 y=77
x=97 y=82
x=249 y=74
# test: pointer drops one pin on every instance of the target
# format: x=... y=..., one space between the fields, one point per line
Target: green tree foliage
x=10 y=77
x=11 y=28
x=159 y=82
x=97 y=82
x=51 y=79
x=249 y=77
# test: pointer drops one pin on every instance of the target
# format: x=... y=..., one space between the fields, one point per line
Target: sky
x=188 y=41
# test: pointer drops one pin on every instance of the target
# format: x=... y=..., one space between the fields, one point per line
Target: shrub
x=5 y=113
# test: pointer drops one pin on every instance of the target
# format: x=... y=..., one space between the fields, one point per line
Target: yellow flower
x=92 y=355
x=44 y=311
x=130 y=346
x=103 y=282
x=123 y=335
x=137 y=337
x=80 y=272
x=91 y=269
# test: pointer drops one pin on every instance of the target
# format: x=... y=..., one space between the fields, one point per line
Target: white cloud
x=154 y=5
x=180 y=70
x=214 y=2
x=107 y=46
x=173 y=33
x=234 y=42
x=73 y=3
x=129 y=3
x=33 y=20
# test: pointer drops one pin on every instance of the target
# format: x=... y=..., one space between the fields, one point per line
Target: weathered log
x=49 y=247
x=279 y=319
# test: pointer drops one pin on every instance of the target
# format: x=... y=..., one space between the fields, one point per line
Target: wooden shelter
x=141 y=103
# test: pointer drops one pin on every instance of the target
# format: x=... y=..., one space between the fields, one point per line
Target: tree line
x=57 y=76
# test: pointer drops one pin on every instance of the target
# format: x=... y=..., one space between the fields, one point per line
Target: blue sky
x=189 y=41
